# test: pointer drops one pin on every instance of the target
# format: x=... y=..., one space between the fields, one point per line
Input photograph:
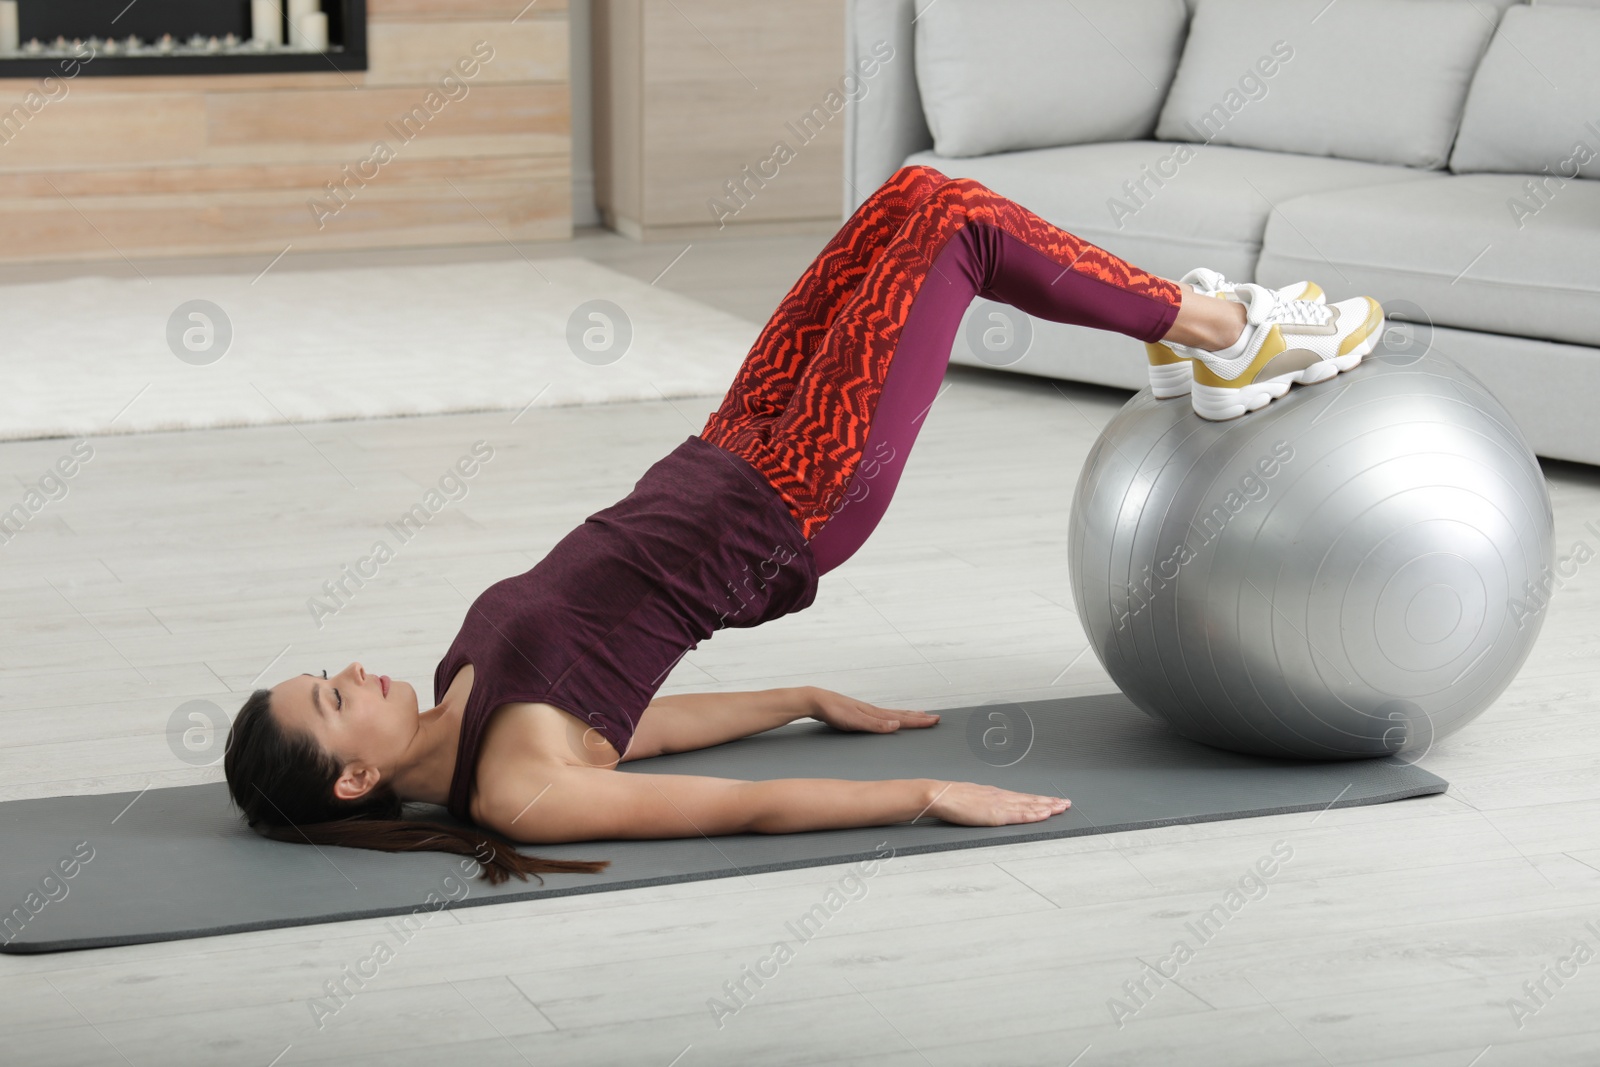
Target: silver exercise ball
x=1348 y=572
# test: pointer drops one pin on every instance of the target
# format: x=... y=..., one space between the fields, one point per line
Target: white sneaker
x=1171 y=372
x=1283 y=342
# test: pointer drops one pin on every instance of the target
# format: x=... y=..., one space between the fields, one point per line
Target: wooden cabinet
x=715 y=115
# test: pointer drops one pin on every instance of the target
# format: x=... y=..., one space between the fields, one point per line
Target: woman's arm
x=687 y=721
x=565 y=802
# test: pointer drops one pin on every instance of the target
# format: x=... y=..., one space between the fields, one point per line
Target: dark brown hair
x=283 y=783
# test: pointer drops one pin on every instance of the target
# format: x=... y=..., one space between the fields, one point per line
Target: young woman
x=550 y=682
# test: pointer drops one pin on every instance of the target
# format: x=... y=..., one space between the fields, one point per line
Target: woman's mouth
x=383 y=683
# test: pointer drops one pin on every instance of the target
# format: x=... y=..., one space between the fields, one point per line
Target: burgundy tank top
x=702 y=542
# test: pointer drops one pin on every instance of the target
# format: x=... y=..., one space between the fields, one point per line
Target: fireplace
x=119 y=38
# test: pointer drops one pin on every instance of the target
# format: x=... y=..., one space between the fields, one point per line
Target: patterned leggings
x=829 y=401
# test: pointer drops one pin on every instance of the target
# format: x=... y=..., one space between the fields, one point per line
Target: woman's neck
x=429 y=764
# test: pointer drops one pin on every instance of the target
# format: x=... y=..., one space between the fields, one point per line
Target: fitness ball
x=1355 y=570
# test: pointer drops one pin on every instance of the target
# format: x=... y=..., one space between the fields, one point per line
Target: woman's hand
x=971 y=804
x=847 y=713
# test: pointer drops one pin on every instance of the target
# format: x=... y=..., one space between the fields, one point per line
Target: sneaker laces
x=1266 y=306
x=1299 y=312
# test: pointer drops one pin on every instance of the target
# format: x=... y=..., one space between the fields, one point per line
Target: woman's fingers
x=845 y=713
x=972 y=804
x=907 y=716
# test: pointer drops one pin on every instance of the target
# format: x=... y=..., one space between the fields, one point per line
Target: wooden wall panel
x=529 y=50
x=269 y=221
x=439 y=145
x=698 y=90
x=338 y=116
x=198 y=165
x=87 y=128
x=445 y=10
x=264 y=177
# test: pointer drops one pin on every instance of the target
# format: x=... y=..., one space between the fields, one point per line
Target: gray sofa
x=1439 y=155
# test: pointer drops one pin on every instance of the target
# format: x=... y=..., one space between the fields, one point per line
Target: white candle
x=303 y=33
x=311 y=31
x=9 y=41
x=266 y=22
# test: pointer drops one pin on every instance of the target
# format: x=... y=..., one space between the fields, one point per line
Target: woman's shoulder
x=525 y=746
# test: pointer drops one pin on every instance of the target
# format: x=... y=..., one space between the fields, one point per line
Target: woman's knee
x=966 y=191
x=917 y=182
x=959 y=199
x=913 y=173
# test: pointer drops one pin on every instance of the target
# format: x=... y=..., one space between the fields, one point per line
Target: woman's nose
x=359 y=671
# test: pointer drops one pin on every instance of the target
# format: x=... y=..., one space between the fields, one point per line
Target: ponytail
x=283 y=783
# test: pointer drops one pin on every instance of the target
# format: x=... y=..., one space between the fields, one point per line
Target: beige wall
x=688 y=93
x=180 y=165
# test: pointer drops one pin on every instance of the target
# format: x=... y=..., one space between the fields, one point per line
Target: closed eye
x=338 y=701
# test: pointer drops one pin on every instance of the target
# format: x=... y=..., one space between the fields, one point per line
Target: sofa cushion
x=1379 y=80
x=1457 y=247
x=1001 y=75
x=1535 y=101
x=1166 y=207
x=1490 y=8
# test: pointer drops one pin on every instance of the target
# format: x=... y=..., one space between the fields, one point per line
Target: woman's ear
x=357 y=781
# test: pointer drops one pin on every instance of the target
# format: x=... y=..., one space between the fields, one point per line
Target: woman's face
x=365 y=721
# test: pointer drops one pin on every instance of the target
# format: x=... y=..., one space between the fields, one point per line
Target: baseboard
x=708 y=231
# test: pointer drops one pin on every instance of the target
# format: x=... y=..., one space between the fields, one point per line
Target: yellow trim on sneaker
x=1361 y=333
x=1270 y=348
x=1161 y=355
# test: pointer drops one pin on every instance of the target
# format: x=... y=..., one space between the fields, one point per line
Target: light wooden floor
x=179 y=565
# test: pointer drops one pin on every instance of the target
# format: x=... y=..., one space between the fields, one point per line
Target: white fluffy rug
x=92 y=355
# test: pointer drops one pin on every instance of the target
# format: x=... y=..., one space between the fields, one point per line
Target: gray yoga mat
x=177 y=863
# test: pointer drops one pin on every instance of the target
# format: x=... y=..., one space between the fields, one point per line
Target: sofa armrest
x=885 y=125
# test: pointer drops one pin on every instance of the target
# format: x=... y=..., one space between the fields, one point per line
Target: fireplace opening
x=116 y=37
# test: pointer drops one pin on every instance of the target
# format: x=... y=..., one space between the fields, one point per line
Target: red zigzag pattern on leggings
x=802 y=419
x=766 y=381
